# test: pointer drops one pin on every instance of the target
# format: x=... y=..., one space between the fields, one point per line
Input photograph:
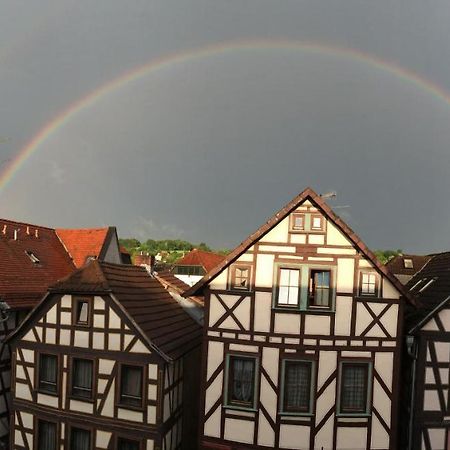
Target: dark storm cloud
x=208 y=149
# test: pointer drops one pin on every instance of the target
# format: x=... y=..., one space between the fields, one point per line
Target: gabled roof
x=160 y=319
x=86 y=243
x=430 y=287
x=22 y=281
x=318 y=202
x=397 y=264
x=196 y=257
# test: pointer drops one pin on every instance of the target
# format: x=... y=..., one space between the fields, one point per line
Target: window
x=241 y=381
x=288 y=289
x=127 y=444
x=80 y=439
x=297 y=386
x=47 y=435
x=408 y=263
x=354 y=388
x=240 y=277
x=34 y=259
x=48 y=373
x=319 y=288
x=131 y=385
x=368 y=284
x=82 y=374
x=82 y=308
x=297 y=222
x=316 y=223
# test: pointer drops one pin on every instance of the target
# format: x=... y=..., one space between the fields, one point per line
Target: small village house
x=108 y=360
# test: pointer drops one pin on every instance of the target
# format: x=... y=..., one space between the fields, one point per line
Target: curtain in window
x=47 y=435
x=297 y=385
x=131 y=385
x=48 y=372
x=82 y=377
x=321 y=280
x=80 y=439
x=243 y=379
x=354 y=388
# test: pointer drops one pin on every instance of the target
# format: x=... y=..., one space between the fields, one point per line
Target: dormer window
x=408 y=263
x=34 y=259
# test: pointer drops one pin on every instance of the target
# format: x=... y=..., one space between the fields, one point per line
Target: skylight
x=33 y=257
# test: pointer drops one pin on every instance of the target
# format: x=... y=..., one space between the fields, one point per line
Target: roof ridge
x=27 y=224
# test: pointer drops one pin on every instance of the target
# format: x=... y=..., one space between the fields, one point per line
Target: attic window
x=408 y=263
x=33 y=257
x=82 y=311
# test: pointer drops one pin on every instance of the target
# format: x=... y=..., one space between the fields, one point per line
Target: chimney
x=4 y=228
x=16 y=234
x=36 y=233
x=145 y=260
x=28 y=230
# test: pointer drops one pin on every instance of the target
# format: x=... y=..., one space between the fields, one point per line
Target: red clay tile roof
x=319 y=202
x=207 y=260
x=83 y=243
x=22 y=281
x=397 y=264
x=154 y=311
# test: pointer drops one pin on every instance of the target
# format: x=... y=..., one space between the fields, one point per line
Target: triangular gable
x=319 y=203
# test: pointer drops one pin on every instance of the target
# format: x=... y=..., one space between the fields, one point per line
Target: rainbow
x=172 y=60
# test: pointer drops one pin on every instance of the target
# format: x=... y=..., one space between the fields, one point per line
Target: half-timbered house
x=302 y=339
x=33 y=257
x=102 y=363
x=426 y=400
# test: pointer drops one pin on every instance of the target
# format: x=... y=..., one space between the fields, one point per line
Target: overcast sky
x=208 y=149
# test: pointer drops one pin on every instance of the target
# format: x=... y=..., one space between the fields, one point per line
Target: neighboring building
x=193 y=266
x=427 y=355
x=302 y=339
x=32 y=258
x=85 y=244
x=193 y=305
x=108 y=360
x=404 y=267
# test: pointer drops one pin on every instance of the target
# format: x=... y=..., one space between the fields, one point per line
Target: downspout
x=411 y=347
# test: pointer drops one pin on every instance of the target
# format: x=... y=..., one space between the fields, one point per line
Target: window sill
x=318 y=311
x=44 y=392
x=238 y=291
x=362 y=415
x=131 y=407
x=295 y=414
x=81 y=399
x=240 y=408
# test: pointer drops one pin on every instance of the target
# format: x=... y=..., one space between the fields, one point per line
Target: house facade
x=302 y=339
x=102 y=362
x=426 y=424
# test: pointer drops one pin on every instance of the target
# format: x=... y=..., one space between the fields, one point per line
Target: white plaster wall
x=239 y=430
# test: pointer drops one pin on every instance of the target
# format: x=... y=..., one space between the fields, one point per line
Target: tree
x=386 y=255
